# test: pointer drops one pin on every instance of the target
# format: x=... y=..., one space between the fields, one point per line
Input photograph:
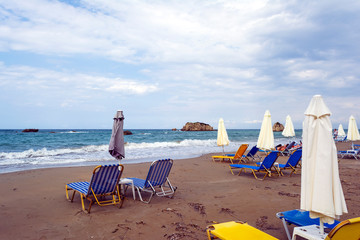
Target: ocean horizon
x=83 y=147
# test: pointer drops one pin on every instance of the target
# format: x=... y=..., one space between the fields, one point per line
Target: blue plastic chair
x=292 y=162
x=264 y=167
x=104 y=182
x=300 y=218
x=156 y=182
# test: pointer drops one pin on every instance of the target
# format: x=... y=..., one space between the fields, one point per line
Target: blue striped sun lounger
x=103 y=183
x=156 y=182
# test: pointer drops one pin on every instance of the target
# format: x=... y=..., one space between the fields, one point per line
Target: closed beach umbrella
x=341 y=132
x=321 y=191
x=353 y=132
x=266 y=136
x=289 y=128
x=116 y=146
x=222 y=137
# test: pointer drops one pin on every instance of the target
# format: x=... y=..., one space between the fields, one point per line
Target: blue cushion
x=302 y=218
x=244 y=166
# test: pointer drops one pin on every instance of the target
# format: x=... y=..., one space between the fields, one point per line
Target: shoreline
x=35 y=207
x=25 y=151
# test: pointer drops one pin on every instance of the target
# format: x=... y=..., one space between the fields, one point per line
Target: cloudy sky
x=72 y=64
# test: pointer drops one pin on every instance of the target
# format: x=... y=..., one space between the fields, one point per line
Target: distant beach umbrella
x=321 y=191
x=222 y=137
x=341 y=132
x=289 y=128
x=353 y=132
x=266 y=136
x=116 y=145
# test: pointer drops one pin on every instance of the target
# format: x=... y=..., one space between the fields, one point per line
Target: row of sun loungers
x=265 y=166
x=105 y=182
x=348 y=229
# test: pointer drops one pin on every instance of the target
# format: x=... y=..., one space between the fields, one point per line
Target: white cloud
x=310 y=74
x=253 y=121
x=204 y=59
x=130 y=86
x=36 y=79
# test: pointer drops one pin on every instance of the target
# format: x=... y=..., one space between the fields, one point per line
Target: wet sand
x=33 y=203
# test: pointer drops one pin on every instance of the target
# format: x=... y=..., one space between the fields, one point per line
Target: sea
x=50 y=148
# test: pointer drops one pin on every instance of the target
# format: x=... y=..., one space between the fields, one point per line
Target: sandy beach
x=33 y=203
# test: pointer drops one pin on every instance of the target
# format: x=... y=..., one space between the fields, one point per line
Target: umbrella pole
x=223 y=150
x=321 y=227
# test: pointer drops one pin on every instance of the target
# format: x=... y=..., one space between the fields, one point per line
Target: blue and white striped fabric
x=157 y=175
x=104 y=180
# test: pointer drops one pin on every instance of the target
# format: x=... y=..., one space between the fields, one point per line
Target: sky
x=73 y=64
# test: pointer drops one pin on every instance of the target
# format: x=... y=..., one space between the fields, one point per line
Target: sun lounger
x=237 y=157
x=265 y=166
x=287 y=151
x=156 y=182
x=344 y=139
x=345 y=230
x=252 y=154
x=103 y=183
x=355 y=146
x=348 y=229
x=350 y=153
x=292 y=162
x=236 y=230
x=300 y=218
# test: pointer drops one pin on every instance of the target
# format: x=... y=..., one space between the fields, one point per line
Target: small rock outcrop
x=127 y=132
x=197 y=126
x=174 y=129
x=30 y=130
x=278 y=127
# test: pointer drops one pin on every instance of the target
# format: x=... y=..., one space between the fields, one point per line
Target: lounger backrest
x=240 y=152
x=348 y=229
x=158 y=172
x=294 y=158
x=290 y=146
x=269 y=160
x=253 y=151
x=105 y=179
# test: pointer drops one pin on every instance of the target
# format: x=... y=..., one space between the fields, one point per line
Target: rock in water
x=30 y=130
x=197 y=126
x=278 y=127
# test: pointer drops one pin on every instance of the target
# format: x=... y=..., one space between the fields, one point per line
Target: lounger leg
x=121 y=199
x=82 y=202
x=231 y=170
x=253 y=172
x=293 y=171
x=67 y=193
x=278 y=171
x=286 y=229
x=208 y=234
x=72 y=198
x=241 y=171
x=266 y=174
x=90 y=205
